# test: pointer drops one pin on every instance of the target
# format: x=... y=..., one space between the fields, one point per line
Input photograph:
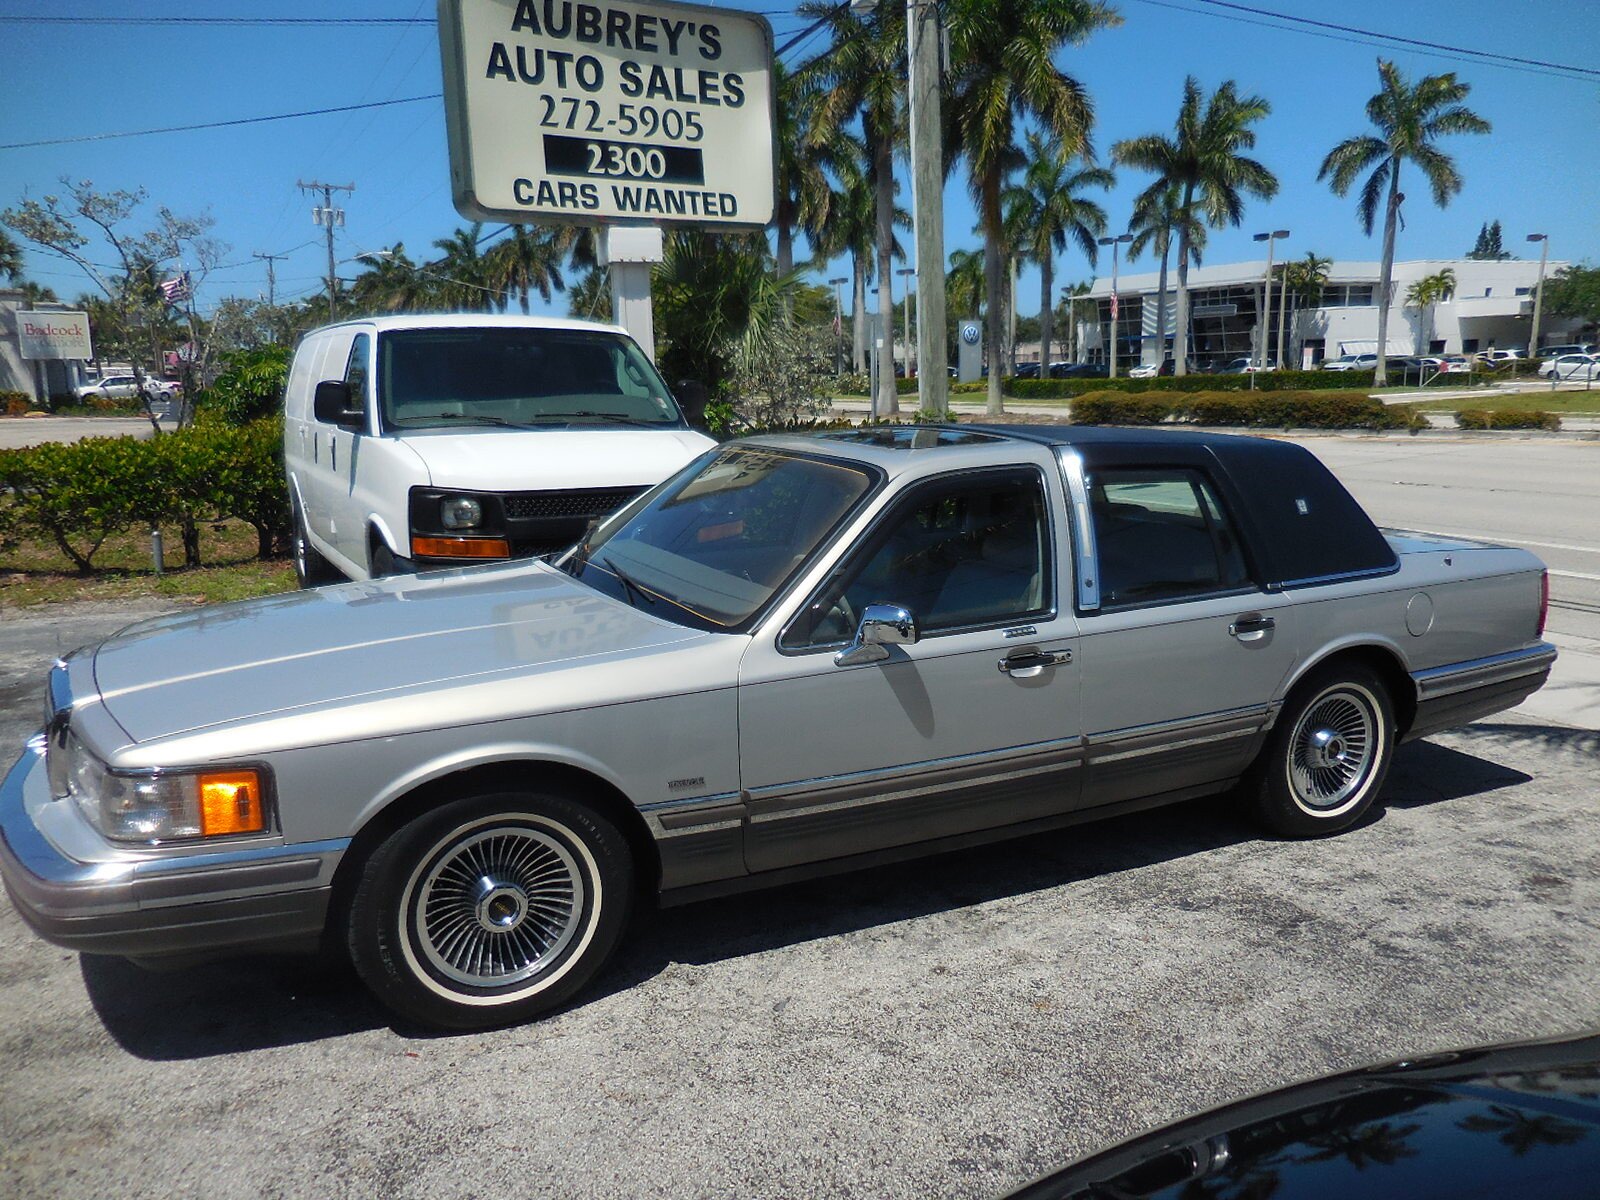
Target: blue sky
x=1538 y=171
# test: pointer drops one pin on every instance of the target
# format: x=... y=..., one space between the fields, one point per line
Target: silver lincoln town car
x=799 y=655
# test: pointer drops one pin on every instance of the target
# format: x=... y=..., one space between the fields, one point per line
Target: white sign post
x=608 y=113
x=54 y=335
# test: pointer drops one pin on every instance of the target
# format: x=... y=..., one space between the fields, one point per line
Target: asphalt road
x=945 y=1028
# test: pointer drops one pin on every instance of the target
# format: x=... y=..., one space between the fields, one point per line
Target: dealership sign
x=613 y=113
x=54 y=334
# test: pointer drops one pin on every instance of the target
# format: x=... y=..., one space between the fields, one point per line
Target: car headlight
x=160 y=806
x=460 y=512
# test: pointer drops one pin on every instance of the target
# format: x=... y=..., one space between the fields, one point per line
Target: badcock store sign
x=608 y=113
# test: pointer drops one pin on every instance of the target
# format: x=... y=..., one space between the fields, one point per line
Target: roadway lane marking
x=1478 y=537
x=1574 y=574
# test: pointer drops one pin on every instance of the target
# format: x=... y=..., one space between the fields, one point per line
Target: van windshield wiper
x=479 y=418
x=619 y=418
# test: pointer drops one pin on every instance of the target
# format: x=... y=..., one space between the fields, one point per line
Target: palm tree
x=528 y=261
x=1003 y=55
x=1423 y=295
x=862 y=75
x=963 y=283
x=1155 y=218
x=1409 y=119
x=1203 y=160
x=1068 y=310
x=461 y=274
x=390 y=283
x=1047 y=208
x=1306 y=277
x=804 y=150
x=10 y=257
x=851 y=227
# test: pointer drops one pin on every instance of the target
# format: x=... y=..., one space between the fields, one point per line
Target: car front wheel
x=490 y=910
x=1328 y=754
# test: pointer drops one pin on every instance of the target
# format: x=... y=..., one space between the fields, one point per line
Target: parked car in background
x=1027 y=370
x=1571 y=366
x=1499 y=358
x=421 y=441
x=1548 y=352
x=1456 y=364
x=1144 y=371
x=1519 y=1119
x=1243 y=366
x=125 y=387
x=1351 y=362
x=800 y=655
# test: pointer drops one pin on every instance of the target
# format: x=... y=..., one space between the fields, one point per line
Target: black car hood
x=1505 y=1121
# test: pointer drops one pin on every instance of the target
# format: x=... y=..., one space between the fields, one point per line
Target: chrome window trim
x=1088 y=558
x=1049 y=612
x=1339 y=577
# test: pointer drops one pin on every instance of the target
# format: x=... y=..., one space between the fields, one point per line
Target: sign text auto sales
x=605 y=113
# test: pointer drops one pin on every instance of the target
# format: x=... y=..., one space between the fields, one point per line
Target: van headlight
x=460 y=512
x=159 y=806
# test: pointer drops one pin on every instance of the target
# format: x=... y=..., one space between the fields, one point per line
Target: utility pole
x=1264 y=317
x=1538 y=296
x=907 y=273
x=924 y=55
x=1116 y=244
x=327 y=216
x=272 y=275
x=838 y=325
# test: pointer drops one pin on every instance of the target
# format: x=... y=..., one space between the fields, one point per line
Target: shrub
x=852 y=385
x=1261 y=410
x=1116 y=408
x=1478 y=418
x=14 y=404
x=1267 y=381
x=250 y=386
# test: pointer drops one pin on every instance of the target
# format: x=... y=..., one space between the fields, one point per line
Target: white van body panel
x=353 y=486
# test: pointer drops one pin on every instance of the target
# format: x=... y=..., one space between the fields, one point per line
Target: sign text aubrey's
x=608 y=113
x=54 y=335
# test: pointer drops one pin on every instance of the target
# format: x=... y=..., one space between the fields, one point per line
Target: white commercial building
x=38 y=378
x=1491 y=307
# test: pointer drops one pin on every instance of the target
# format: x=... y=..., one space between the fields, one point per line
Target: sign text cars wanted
x=608 y=112
x=54 y=335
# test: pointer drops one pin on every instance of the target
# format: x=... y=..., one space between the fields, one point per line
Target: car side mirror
x=693 y=398
x=882 y=626
x=334 y=405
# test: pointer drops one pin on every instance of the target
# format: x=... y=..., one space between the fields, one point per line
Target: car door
x=1181 y=650
x=974 y=726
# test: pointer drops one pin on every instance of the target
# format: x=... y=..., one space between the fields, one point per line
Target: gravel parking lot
x=945 y=1028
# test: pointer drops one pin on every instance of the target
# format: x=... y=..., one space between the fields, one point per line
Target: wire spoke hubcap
x=498 y=907
x=1333 y=749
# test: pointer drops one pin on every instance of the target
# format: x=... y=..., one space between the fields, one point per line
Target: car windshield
x=710 y=547
x=518 y=377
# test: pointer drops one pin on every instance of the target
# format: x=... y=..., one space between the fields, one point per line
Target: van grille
x=587 y=502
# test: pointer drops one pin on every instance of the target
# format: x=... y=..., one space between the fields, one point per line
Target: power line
x=1362 y=37
x=311 y=112
x=282 y=22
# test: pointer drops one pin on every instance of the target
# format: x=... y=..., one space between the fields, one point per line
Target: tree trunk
x=1180 y=340
x=994 y=290
x=1380 y=374
x=1011 y=317
x=888 y=400
x=858 y=315
x=1161 y=301
x=1047 y=316
x=785 y=248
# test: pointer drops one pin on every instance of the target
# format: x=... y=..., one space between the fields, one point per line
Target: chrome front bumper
x=212 y=900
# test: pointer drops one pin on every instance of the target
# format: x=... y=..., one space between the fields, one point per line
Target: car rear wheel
x=310 y=568
x=490 y=910
x=1328 y=754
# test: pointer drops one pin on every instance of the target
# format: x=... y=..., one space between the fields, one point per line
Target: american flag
x=176 y=291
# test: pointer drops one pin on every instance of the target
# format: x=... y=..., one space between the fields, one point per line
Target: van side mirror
x=333 y=404
x=693 y=398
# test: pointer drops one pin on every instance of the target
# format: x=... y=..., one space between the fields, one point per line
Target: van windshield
x=518 y=377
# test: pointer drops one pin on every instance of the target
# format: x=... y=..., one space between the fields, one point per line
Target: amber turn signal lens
x=460 y=547
x=230 y=802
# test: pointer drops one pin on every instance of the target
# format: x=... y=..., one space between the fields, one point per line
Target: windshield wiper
x=629 y=584
x=619 y=418
x=480 y=418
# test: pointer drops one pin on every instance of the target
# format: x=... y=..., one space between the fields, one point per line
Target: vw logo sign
x=970 y=333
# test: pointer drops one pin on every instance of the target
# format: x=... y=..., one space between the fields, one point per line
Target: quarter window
x=1162 y=535
x=355 y=371
x=962 y=553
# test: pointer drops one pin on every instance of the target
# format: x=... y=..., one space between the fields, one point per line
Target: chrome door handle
x=1251 y=627
x=1029 y=664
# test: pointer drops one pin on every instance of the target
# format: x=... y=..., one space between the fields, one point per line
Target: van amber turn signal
x=459 y=547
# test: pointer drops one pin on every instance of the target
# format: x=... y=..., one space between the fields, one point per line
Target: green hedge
x=1266 y=381
x=79 y=494
x=14 y=404
x=1262 y=410
x=1478 y=418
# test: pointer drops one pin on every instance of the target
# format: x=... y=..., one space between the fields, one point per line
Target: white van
x=425 y=441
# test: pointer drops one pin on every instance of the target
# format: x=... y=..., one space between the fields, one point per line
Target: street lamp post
x=838 y=325
x=1116 y=244
x=1266 y=310
x=1538 y=295
x=907 y=273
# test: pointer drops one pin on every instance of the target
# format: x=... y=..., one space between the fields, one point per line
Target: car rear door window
x=1162 y=535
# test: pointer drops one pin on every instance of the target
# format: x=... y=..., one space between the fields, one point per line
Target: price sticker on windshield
x=616 y=113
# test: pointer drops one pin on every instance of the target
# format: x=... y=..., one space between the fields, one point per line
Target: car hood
x=510 y=460
x=436 y=642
